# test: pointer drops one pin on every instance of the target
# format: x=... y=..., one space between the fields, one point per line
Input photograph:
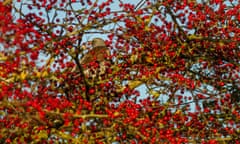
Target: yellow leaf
x=63 y=135
x=221 y=43
x=133 y=58
x=147 y=28
x=6 y=2
x=84 y=127
x=2 y=57
x=38 y=74
x=42 y=134
x=139 y=19
x=161 y=125
x=22 y=53
x=158 y=69
x=116 y=113
x=194 y=37
x=154 y=93
x=72 y=52
x=149 y=60
x=44 y=73
x=134 y=84
x=148 y=20
x=10 y=79
x=23 y=75
x=56 y=79
x=178 y=112
x=49 y=62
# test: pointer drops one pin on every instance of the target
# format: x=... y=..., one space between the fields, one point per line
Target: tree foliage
x=184 y=53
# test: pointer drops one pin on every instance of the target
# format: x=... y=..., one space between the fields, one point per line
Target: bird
x=97 y=56
x=99 y=52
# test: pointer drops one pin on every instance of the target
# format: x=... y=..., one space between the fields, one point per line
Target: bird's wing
x=98 y=53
